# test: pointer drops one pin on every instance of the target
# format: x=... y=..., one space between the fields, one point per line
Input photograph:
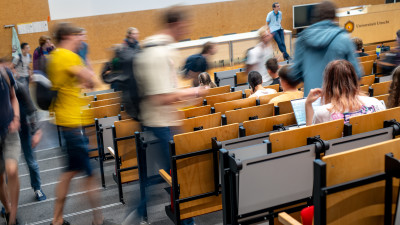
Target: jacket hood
x=321 y=34
x=158 y=39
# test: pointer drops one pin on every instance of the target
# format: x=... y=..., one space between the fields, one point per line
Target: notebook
x=299 y=109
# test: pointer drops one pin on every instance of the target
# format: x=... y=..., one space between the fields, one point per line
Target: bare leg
x=13 y=187
x=94 y=197
x=61 y=194
x=4 y=193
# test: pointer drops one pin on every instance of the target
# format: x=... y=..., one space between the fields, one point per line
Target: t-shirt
x=258 y=56
x=369 y=105
x=6 y=112
x=265 y=91
x=274 y=21
x=287 y=96
x=196 y=63
x=22 y=66
x=156 y=74
x=69 y=102
x=83 y=51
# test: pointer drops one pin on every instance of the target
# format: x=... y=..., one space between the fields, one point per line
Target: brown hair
x=326 y=10
x=129 y=31
x=394 y=92
x=43 y=39
x=358 y=43
x=283 y=73
x=254 y=79
x=205 y=80
x=272 y=64
x=65 y=29
x=174 y=14
x=341 y=87
x=207 y=47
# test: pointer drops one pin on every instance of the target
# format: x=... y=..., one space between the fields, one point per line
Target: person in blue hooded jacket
x=320 y=44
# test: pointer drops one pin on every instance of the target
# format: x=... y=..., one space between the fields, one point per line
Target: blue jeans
x=279 y=37
x=164 y=134
x=26 y=141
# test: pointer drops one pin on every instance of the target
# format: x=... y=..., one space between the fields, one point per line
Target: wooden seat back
x=218 y=90
x=367 y=67
x=105 y=102
x=241 y=115
x=196 y=111
x=373 y=121
x=285 y=107
x=266 y=98
x=88 y=98
x=266 y=124
x=365 y=89
x=383 y=98
x=127 y=148
x=195 y=174
x=116 y=94
x=200 y=123
x=364 y=204
x=381 y=88
x=369 y=48
x=106 y=111
x=241 y=78
x=187 y=104
x=235 y=104
x=368 y=58
x=211 y=100
x=275 y=87
x=372 y=52
x=367 y=80
x=298 y=137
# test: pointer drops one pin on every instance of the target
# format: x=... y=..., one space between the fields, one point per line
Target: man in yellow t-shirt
x=288 y=86
x=68 y=75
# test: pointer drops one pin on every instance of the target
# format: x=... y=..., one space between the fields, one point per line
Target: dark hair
x=326 y=10
x=394 y=91
x=62 y=30
x=43 y=39
x=207 y=47
x=274 y=4
x=23 y=45
x=284 y=72
x=174 y=14
x=358 y=43
x=272 y=64
x=341 y=87
x=398 y=34
x=205 y=80
x=254 y=79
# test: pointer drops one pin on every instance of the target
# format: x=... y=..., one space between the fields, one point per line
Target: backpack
x=44 y=94
x=117 y=68
x=20 y=59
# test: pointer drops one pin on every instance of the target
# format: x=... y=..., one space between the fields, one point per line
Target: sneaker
x=40 y=196
x=64 y=223
x=3 y=212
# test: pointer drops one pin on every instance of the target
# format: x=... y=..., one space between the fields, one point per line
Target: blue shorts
x=76 y=145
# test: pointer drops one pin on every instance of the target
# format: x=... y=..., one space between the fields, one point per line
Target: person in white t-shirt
x=255 y=82
x=20 y=64
x=340 y=95
x=258 y=56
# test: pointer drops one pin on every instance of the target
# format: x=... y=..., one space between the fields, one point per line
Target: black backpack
x=44 y=94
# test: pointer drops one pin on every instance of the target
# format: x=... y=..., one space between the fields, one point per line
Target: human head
x=44 y=41
x=205 y=80
x=341 y=87
x=286 y=81
x=398 y=35
x=394 y=91
x=25 y=48
x=67 y=33
x=264 y=34
x=326 y=10
x=358 y=43
x=272 y=65
x=175 y=19
x=209 y=48
x=276 y=6
x=82 y=34
x=132 y=33
x=254 y=79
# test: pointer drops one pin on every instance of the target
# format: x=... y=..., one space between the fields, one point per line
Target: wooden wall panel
x=105 y=30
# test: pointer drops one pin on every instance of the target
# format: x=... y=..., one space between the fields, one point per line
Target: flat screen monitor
x=303 y=15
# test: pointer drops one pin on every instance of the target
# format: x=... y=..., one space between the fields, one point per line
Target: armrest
x=286 y=219
x=111 y=150
x=165 y=176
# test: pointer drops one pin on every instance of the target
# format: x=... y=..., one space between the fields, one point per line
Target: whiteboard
x=66 y=9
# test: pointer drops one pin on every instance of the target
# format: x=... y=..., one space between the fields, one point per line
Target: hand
x=14 y=125
x=36 y=138
x=313 y=95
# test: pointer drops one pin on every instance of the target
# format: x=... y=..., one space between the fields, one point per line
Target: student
x=290 y=91
x=340 y=96
x=272 y=68
x=42 y=52
x=358 y=43
x=205 y=80
x=274 y=19
x=255 y=82
x=20 y=65
x=394 y=92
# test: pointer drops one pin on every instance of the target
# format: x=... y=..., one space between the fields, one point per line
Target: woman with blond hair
x=340 y=95
x=205 y=80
